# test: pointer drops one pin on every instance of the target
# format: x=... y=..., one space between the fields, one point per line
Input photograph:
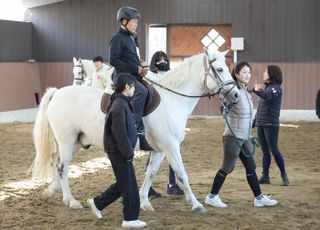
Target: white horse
x=71 y=118
x=84 y=71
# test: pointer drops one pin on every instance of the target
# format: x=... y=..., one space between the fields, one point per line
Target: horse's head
x=79 y=72
x=218 y=78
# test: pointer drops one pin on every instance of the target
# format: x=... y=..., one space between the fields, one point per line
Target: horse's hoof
x=200 y=210
x=66 y=202
x=75 y=204
x=48 y=193
x=147 y=207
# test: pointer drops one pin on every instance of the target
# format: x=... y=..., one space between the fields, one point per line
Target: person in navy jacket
x=124 y=57
x=119 y=140
x=267 y=121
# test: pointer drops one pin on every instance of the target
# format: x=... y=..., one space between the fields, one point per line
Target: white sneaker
x=265 y=201
x=134 y=224
x=96 y=212
x=215 y=201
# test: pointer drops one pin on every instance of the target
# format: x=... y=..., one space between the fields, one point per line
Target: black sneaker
x=175 y=190
x=285 y=180
x=264 y=179
x=153 y=193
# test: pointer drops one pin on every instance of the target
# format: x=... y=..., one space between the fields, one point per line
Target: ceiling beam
x=35 y=3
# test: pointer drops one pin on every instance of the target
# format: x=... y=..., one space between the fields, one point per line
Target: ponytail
x=120 y=82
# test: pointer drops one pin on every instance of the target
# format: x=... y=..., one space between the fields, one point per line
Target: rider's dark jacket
x=120 y=132
x=268 y=112
x=123 y=53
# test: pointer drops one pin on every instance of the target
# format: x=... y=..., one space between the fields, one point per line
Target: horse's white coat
x=85 y=69
x=72 y=118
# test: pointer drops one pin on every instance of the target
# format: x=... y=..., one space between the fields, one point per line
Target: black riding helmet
x=127 y=12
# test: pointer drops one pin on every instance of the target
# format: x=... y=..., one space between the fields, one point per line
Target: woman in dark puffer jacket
x=267 y=121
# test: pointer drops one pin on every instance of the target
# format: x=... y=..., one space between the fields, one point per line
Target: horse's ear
x=74 y=61
x=224 y=53
x=206 y=51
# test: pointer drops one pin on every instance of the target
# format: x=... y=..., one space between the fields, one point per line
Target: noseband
x=83 y=73
x=215 y=76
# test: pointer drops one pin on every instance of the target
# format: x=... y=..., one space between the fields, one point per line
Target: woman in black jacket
x=267 y=121
x=119 y=139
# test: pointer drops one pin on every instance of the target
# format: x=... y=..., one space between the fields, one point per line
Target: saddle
x=152 y=101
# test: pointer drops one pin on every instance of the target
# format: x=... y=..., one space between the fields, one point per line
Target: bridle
x=214 y=75
x=83 y=73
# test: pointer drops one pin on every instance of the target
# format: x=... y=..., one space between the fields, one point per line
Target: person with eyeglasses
x=125 y=59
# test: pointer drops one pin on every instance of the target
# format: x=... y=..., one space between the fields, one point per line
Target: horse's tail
x=43 y=140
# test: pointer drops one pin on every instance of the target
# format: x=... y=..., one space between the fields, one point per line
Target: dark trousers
x=268 y=137
x=138 y=101
x=125 y=187
x=232 y=152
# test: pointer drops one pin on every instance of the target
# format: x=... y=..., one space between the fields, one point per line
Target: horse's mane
x=181 y=73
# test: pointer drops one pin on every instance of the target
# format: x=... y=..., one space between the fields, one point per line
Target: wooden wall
x=273 y=30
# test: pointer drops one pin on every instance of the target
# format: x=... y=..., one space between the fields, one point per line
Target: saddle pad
x=152 y=101
x=104 y=102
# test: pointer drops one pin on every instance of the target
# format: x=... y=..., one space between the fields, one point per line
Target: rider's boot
x=144 y=145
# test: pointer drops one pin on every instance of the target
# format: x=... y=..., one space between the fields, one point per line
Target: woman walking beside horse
x=119 y=139
x=237 y=144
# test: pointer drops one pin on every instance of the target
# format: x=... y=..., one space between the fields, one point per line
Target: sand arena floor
x=299 y=206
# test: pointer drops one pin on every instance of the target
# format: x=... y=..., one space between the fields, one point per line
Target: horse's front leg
x=152 y=170
x=65 y=156
x=175 y=161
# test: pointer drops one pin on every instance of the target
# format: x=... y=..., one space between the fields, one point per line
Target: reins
x=82 y=72
x=181 y=94
x=214 y=75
